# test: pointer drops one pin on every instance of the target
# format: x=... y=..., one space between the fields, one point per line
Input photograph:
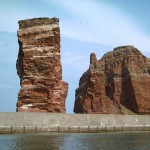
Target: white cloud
x=86 y=20
x=100 y=23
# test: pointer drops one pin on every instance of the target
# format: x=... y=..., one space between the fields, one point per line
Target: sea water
x=76 y=141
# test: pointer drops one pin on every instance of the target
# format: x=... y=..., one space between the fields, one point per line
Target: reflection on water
x=60 y=141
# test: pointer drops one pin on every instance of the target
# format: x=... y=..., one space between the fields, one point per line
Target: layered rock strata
x=118 y=83
x=39 y=67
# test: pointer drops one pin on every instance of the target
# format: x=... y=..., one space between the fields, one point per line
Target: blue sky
x=86 y=26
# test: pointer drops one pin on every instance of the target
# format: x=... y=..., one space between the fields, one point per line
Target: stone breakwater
x=23 y=122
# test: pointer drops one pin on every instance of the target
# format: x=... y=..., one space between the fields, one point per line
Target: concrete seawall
x=25 y=122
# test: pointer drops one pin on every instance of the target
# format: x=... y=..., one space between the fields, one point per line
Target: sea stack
x=118 y=83
x=39 y=67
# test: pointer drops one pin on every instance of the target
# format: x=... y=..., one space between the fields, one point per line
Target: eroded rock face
x=39 y=67
x=118 y=83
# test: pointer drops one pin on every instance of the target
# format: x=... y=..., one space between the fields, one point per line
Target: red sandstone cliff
x=118 y=83
x=39 y=66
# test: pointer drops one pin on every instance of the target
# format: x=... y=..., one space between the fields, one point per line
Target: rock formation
x=118 y=83
x=39 y=67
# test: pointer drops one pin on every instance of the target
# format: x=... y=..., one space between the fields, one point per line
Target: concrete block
x=84 y=129
x=93 y=129
x=140 y=128
x=134 y=128
x=2 y=127
x=18 y=129
x=74 y=129
x=118 y=128
x=126 y=128
x=30 y=129
x=42 y=128
x=63 y=129
x=147 y=128
x=102 y=128
x=5 y=129
x=130 y=128
x=110 y=128
x=53 y=128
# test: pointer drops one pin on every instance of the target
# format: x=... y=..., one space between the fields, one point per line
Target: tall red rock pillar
x=39 y=67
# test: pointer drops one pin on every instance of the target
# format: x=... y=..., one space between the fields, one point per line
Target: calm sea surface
x=59 y=141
